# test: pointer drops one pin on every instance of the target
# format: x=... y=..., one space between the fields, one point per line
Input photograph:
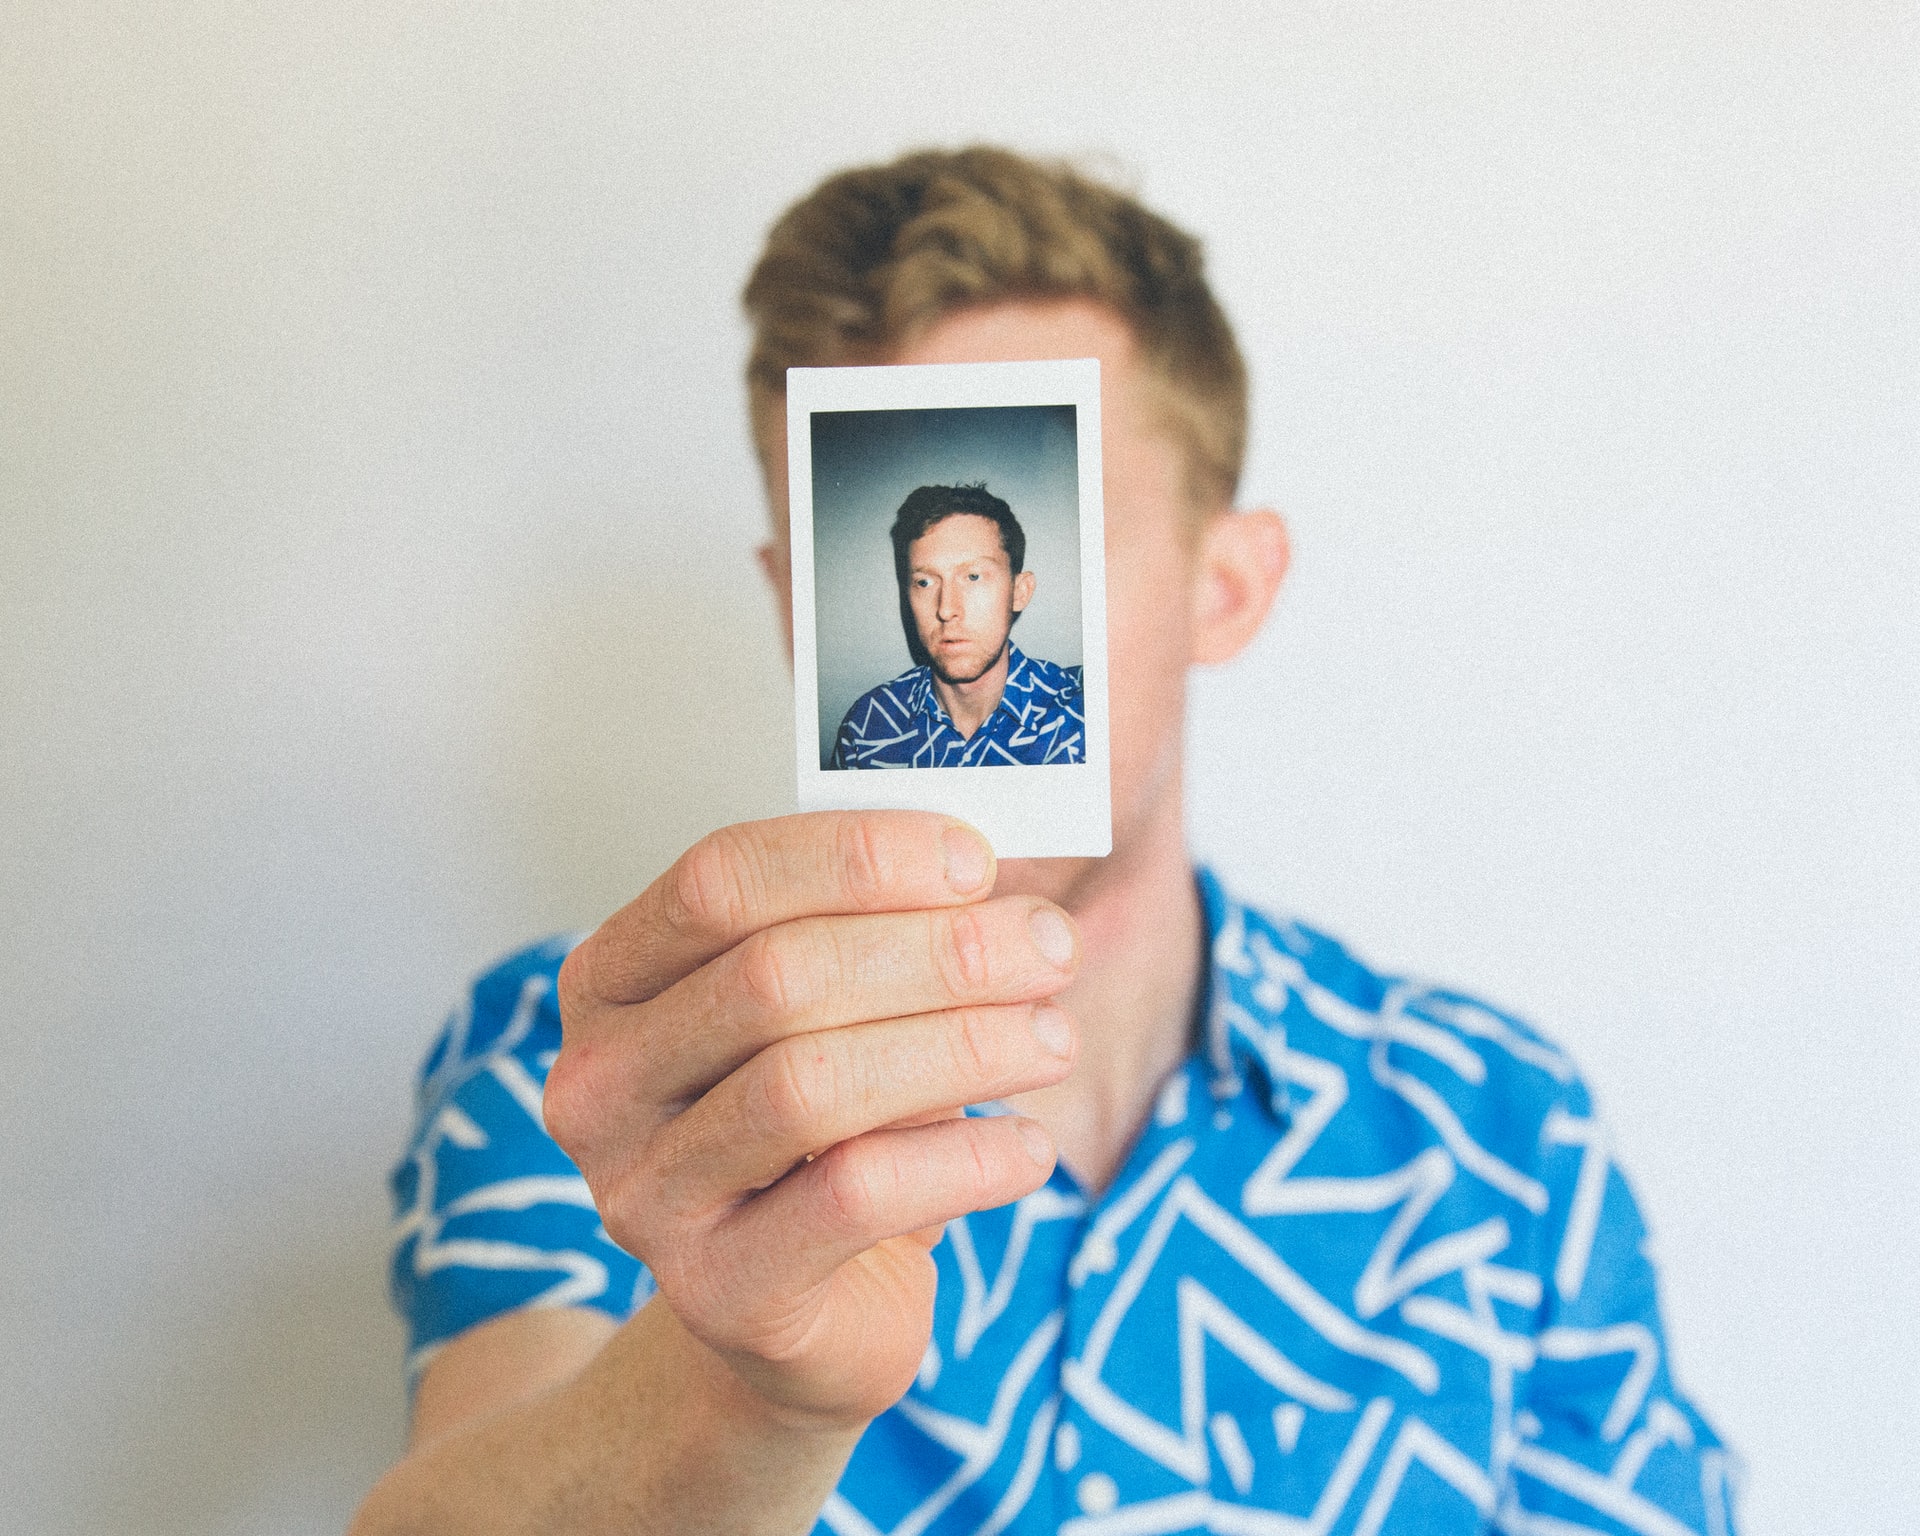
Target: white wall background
x=375 y=515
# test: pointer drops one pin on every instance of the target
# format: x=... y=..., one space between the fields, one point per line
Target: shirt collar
x=1020 y=687
x=1245 y=1039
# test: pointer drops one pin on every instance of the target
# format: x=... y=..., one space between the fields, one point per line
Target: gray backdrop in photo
x=864 y=465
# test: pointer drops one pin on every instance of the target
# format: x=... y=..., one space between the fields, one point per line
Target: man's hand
x=763 y=1062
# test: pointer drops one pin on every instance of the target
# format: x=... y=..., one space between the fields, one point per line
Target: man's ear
x=1241 y=562
x=777 y=566
x=1023 y=586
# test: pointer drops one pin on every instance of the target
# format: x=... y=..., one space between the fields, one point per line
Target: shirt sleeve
x=490 y=1216
x=1605 y=1441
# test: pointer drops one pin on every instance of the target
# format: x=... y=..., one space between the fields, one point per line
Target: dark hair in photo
x=931 y=504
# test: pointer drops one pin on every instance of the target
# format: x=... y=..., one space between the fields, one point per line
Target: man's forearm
x=654 y=1435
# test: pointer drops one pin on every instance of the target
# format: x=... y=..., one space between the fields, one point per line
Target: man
x=975 y=701
x=1245 y=1236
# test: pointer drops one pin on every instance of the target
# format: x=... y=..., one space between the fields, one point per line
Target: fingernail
x=1053 y=1029
x=1039 y=1143
x=1052 y=936
x=969 y=859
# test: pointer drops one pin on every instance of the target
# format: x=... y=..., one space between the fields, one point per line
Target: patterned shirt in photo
x=1371 y=1270
x=902 y=724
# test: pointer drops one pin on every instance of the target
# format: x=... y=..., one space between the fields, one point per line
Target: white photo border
x=1031 y=811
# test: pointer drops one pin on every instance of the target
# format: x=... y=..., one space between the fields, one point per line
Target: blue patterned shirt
x=1370 y=1269
x=902 y=724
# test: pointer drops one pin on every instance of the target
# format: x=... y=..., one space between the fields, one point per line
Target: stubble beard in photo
x=953 y=680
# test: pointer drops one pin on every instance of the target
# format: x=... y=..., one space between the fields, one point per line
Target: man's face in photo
x=964 y=593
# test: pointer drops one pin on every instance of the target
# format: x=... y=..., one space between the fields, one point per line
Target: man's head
x=875 y=257
x=959 y=554
x=983 y=256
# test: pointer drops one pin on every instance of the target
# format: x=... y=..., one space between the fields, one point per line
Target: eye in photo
x=949 y=596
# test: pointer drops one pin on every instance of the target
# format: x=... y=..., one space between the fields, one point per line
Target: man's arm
x=502 y=1363
x=560 y=1420
x=763 y=1060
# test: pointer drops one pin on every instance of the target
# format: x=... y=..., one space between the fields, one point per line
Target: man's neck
x=968 y=704
x=1143 y=938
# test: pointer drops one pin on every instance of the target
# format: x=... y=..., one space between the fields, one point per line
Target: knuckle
x=976 y=1044
x=565 y=1104
x=774 y=971
x=960 y=952
x=848 y=1196
x=646 y=1209
x=711 y=888
x=985 y=1172
x=862 y=859
x=574 y=988
x=592 y=1098
x=627 y=1227
x=797 y=1090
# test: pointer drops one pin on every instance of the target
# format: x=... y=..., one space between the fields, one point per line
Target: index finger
x=743 y=878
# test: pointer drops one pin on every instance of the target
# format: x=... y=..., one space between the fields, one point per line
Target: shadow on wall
x=274 y=1411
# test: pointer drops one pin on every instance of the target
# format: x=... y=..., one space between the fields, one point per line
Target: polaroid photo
x=950 y=598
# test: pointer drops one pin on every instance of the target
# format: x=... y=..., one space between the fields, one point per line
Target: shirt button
x=1066 y=1447
x=1097 y=1493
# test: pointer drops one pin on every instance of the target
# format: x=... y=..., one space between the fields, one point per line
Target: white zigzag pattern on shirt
x=583 y=1276
x=903 y=711
x=1398 y=1283
x=977 y=1444
x=1389 y=1276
